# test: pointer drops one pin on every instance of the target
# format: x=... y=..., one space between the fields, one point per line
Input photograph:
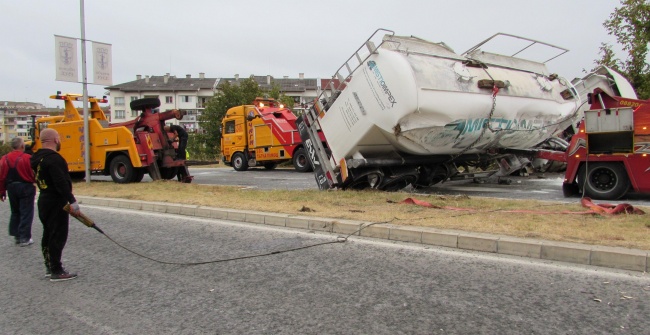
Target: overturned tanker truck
x=403 y=111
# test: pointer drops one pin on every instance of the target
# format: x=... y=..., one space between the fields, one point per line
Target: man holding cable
x=55 y=185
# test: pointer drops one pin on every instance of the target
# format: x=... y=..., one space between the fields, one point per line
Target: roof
x=286 y=84
x=157 y=83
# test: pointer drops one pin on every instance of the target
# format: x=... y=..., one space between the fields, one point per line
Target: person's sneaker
x=63 y=276
x=26 y=243
x=48 y=273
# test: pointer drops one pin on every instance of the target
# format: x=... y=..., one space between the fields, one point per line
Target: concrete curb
x=611 y=257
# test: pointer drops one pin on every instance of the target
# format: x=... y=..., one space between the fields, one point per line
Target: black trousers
x=182 y=144
x=55 y=230
x=21 y=200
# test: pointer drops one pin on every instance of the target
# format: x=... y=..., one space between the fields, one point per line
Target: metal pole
x=85 y=92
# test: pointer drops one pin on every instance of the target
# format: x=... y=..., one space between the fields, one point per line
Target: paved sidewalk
x=611 y=257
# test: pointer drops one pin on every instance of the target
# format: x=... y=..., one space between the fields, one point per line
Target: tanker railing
x=345 y=71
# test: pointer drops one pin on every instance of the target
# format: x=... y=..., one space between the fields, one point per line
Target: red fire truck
x=609 y=156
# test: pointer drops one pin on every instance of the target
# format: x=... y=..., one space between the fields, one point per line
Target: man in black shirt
x=180 y=135
x=55 y=185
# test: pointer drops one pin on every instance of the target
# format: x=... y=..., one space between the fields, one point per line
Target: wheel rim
x=121 y=170
x=603 y=179
x=237 y=162
x=302 y=161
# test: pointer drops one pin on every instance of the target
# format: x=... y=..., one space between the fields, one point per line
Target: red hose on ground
x=600 y=209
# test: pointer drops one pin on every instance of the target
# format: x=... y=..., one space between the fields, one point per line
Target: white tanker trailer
x=403 y=111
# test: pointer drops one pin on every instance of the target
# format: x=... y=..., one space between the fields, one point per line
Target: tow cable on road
x=91 y=224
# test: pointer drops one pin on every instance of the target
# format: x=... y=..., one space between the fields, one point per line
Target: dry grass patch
x=483 y=215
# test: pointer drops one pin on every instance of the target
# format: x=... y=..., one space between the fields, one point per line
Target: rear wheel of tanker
x=301 y=161
x=393 y=183
x=270 y=166
x=239 y=162
x=365 y=179
x=604 y=180
x=122 y=170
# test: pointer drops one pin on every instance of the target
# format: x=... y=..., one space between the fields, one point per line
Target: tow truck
x=262 y=133
x=608 y=157
x=125 y=151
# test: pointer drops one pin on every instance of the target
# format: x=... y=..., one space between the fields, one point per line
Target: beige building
x=191 y=94
x=16 y=117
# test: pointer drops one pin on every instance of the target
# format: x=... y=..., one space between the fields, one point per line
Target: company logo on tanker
x=380 y=79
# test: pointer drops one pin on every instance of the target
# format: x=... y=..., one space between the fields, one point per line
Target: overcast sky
x=276 y=37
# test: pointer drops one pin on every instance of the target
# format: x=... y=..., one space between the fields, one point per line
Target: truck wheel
x=301 y=161
x=239 y=162
x=605 y=181
x=122 y=170
x=168 y=173
x=270 y=166
x=142 y=104
x=139 y=174
x=77 y=176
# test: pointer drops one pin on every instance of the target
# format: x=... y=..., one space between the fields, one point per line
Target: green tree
x=630 y=24
x=5 y=149
x=275 y=93
x=230 y=95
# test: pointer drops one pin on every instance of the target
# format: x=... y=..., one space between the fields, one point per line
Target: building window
x=169 y=99
x=230 y=127
x=186 y=98
x=134 y=113
x=119 y=101
x=119 y=114
x=134 y=98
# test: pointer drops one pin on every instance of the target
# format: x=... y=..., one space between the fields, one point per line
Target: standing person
x=17 y=180
x=180 y=135
x=55 y=185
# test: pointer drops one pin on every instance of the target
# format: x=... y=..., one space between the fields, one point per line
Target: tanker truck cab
x=262 y=134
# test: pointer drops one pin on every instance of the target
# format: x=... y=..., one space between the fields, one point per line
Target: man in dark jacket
x=55 y=187
x=17 y=180
x=180 y=135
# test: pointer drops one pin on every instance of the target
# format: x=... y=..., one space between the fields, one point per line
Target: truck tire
x=239 y=162
x=139 y=174
x=270 y=166
x=122 y=170
x=77 y=176
x=168 y=173
x=142 y=104
x=301 y=161
x=604 y=180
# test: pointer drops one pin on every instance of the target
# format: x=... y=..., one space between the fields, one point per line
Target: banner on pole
x=66 y=59
x=102 y=64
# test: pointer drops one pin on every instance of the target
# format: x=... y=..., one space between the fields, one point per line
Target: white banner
x=102 y=64
x=65 y=54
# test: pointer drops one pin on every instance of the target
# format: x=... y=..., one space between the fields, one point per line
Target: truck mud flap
x=319 y=171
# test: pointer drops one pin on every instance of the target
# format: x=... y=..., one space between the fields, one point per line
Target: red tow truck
x=609 y=156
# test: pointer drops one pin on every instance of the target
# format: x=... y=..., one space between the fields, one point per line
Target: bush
x=5 y=149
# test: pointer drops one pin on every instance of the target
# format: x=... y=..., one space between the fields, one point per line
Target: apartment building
x=191 y=94
x=16 y=117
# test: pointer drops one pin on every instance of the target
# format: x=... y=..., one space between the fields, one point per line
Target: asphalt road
x=547 y=186
x=359 y=287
